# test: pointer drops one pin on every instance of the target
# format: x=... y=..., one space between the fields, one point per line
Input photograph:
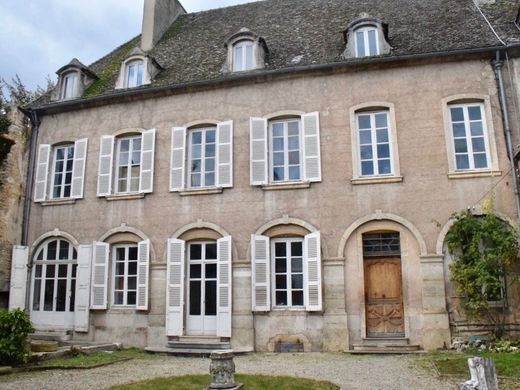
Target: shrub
x=15 y=327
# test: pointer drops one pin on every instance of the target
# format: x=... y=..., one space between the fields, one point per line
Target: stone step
x=197 y=345
x=199 y=339
x=385 y=348
x=386 y=341
x=50 y=335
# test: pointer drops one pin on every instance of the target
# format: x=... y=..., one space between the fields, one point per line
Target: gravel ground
x=359 y=372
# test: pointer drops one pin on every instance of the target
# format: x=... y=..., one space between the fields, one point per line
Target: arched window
x=367 y=41
x=69 y=86
x=243 y=56
x=54 y=277
x=134 y=74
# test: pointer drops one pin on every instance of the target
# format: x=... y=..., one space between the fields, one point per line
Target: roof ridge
x=113 y=51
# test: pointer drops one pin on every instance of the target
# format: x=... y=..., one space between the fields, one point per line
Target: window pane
x=195 y=251
x=296 y=265
x=36 y=294
x=457 y=114
x=51 y=250
x=476 y=128
x=296 y=248
x=210 y=298
x=136 y=157
x=210 y=150
x=64 y=250
x=278 y=158
x=196 y=137
x=372 y=42
x=49 y=295
x=210 y=136
x=61 y=297
x=195 y=271
x=237 y=60
x=139 y=74
x=366 y=152
x=278 y=144
x=281 y=298
x=211 y=271
x=297 y=281
x=277 y=129
x=461 y=146
x=384 y=167
x=383 y=151
x=474 y=113
x=209 y=165
x=195 y=297
x=480 y=160
x=364 y=121
x=367 y=168
x=131 y=298
x=478 y=145
x=360 y=44
x=459 y=130
x=281 y=282
x=118 y=298
x=195 y=180
x=280 y=266
x=120 y=268
x=462 y=161
x=132 y=283
x=381 y=120
x=132 y=253
x=211 y=251
x=293 y=128
x=294 y=143
x=62 y=270
x=278 y=174
x=249 y=57
x=365 y=137
x=119 y=283
x=382 y=135
x=50 y=271
x=195 y=166
x=131 y=75
x=196 y=151
x=294 y=173
x=72 y=294
x=297 y=298
x=209 y=179
x=38 y=271
x=120 y=253
x=294 y=158
x=279 y=248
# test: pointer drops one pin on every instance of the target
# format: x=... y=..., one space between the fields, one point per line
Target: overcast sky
x=37 y=37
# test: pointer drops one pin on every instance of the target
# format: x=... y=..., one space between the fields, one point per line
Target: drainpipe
x=35 y=125
x=497 y=64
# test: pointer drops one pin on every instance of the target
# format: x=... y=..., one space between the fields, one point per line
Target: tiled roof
x=502 y=15
x=193 y=47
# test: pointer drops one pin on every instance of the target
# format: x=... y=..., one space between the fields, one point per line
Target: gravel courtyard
x=359 y=372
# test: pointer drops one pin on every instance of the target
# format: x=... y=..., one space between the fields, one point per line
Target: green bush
x=15 y=327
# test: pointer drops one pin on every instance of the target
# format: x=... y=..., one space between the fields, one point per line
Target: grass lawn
x=95 y=359
x=251 y=382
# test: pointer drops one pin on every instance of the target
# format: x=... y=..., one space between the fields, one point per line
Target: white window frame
x=64 y=171
x=69 y=86
x=126 y=275
x=288 y=289
x=203 y=130
x=244 y=44
x=365 y=31
x=117 y=165
x=468 y=137
x=134 y=81
x=373 y=142
x=286 y=165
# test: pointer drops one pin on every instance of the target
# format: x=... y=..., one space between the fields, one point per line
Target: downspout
x=497 y=64
x=35 y=125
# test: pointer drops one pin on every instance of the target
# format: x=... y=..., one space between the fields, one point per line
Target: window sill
x=125 y=197
x=201 y=191
x=473 y=174
x=377 y=180
x=286 y=186
x=58 y=202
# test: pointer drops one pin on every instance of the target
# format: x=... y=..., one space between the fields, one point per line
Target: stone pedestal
x=483 y=375
x=222 y=370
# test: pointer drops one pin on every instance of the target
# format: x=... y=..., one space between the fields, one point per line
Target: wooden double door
x=384 y=297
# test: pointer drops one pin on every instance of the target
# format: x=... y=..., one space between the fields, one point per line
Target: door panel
x=383 y=297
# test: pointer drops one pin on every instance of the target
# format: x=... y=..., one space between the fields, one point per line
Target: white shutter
x=147 y=161
x=312 y=258
x=82 y=300
x=78 y=168
x=175 y=288
x=42 y=172
x=261 y=294
x=106 y=157
x=224 y=283
x=19 y=260
x=311 y=146
x=143 y=265
x=258 y=151
x=178 y=158
x=99 y=275
x=225 y=154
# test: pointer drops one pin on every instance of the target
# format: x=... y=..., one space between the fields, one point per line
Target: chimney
x=158 y=15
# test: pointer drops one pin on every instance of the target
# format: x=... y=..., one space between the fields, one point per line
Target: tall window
x=202 y=167
x=375 y=151
x=243 y=56
x=469 y=136
x=366 y=42
x=69 y=86
x=286 y=156
x=125 y=274
x=128 y=164
x=202 y=278
x=62 y=175
x=134 y=74
x=288 y=272
x=54 y=282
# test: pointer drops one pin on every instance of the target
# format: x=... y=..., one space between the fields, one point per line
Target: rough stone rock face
x=12 y=186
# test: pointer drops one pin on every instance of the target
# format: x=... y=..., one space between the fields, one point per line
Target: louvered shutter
x=78 y=168
x=42 y=172
x=178 y=158
x=143 y=266
x=224 y=283
x=99 y=275
x=225 y=154
x=82 y=296
x=106 y=157
x=261 y=294
x=147 y=161
x=312 y=257
x=175 y=288
x=19 y=260
x=258 y=151
x=311 y=146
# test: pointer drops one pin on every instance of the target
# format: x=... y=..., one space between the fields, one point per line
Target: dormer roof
x=76 y=64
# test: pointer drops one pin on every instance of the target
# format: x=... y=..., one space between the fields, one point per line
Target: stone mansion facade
x=274 y=172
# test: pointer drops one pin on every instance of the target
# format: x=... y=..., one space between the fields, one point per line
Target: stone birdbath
x=222 y=370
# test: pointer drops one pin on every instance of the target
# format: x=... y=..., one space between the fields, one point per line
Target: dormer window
x=137 y=69
x=366 y=37
x=134 y=74
x=366 y=42
x=246 y=51
x=69 y=86
x=243 y=56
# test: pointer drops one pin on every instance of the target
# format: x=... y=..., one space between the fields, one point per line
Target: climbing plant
x=484 y=249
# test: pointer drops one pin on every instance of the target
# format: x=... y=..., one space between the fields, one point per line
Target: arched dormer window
x=246 y=51
x=366 y=37
x=73 y=79
x=137 y=69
